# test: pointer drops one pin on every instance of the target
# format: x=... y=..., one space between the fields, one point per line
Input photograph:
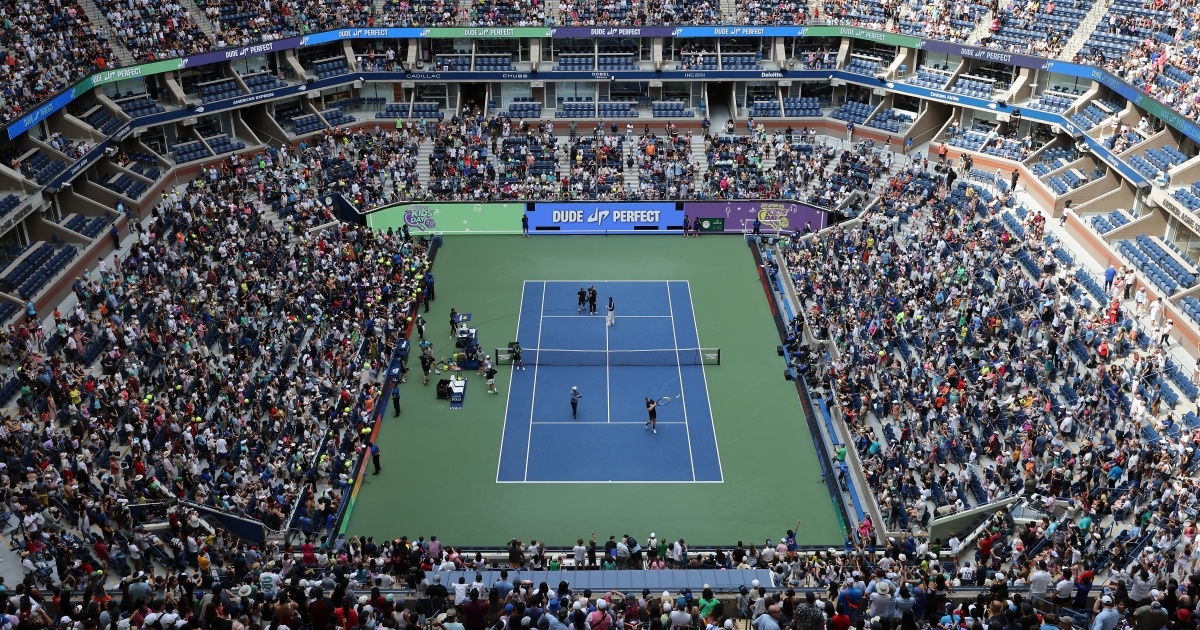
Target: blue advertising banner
x=591 y=218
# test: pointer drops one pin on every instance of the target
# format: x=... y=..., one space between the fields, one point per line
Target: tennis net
x=665 y=356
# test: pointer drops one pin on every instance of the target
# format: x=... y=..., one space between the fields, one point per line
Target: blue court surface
x=615 y=368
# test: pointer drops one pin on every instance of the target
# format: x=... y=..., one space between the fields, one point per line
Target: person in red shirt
x=319 y=611
x=474 y=612
x=840 y=620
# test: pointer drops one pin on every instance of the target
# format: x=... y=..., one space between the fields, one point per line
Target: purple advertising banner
x=218 y=56
x=776 y=216
x=983 y=54
x=612 y=31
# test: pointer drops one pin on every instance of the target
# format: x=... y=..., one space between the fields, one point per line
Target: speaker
x=779 y=350
x=311 y=81
x=1002 y=103
x=787 y=375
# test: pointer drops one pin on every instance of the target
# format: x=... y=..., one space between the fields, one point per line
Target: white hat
x=602 y=604
x=1106 y=600
x=667 y=607
x=754 y=583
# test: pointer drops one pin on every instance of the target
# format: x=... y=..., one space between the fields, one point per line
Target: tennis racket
x=665 y=400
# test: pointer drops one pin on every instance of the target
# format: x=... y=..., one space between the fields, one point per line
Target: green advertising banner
x=882 y=37
x=450 y=218
x=711 y=225
x=487 y=32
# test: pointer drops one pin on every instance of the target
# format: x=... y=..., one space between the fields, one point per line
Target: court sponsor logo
x=420 y=218
x=603 y=217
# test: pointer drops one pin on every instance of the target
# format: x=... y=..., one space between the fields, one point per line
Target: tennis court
x=652 y=351
x=449 y=473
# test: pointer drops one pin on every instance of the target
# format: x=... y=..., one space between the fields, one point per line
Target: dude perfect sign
x=606 y=217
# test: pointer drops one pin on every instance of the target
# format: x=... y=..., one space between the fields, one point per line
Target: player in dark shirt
x=583 y=296
x=490 y=375
x=426 y=365
x=652 y=423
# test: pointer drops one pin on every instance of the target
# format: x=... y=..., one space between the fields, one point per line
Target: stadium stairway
x=983 y=29
x=729 y=9
x=1093 y=18
x=698 y=157
x=96 y=17
x=200 y=18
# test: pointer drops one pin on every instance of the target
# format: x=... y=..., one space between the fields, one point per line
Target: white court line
x=615 y=316
x=683 y=482
x=508 y=398
x=607 y=376
x=712 y=420
x=532 y=396
x=575 y=423
x=682 y=397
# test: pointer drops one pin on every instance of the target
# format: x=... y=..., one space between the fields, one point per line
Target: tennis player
x=612 y=312
x=592 y=296
x=575 y=396
x=516 y=356
x=583 y=296
x=651 y=407
x=490 y=375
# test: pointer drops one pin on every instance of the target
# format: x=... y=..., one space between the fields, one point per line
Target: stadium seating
x=140 y=106
x=1189 y=196
x=612 y=63
x=741 y=61
x=1164 y=271
x=764 y=109
x=890 y=120
x=221 y=143
x=974 y=87
x=523 y=107
x=1105 y=223
x=310 y=123
x=335 y=117
x=220 y=90
x=330 y=68
x=671 y=109
x=494 y=63
x=262 y=82
x=453 y=63
x=41 y=168
x=862 y=65
x=852 y=111
x=801 y=106
x=102 y=120
x=1053 y=102
x=190 y=152
x=575 y=63
x=930 y=77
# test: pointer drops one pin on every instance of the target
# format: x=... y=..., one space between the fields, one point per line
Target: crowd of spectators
x=1169 y=72
x=970 y=364
x=48 y=47
x=239 y=355
x=950 y=21
x=154 y=29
